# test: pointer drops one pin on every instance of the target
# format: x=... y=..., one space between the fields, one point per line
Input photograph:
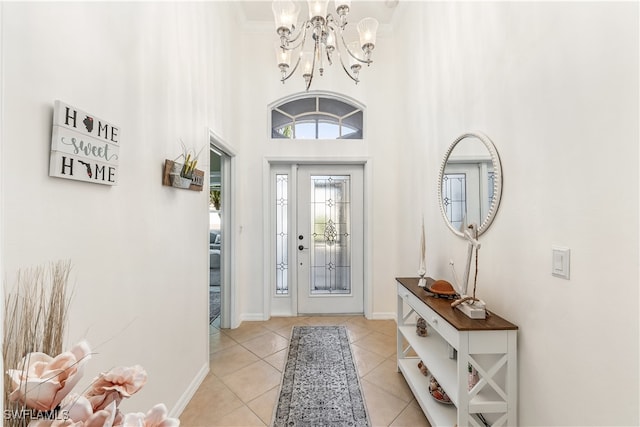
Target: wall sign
x=83 y=146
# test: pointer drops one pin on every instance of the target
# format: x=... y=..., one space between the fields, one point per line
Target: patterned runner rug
x=214 y=303
x=320 y=385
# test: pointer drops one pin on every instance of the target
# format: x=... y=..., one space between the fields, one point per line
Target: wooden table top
x=455 y=317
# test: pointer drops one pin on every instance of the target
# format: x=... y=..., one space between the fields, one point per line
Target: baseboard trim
x=282 y=314
x=384 y=316
x=252 y=317
x=188 y=394
x=259 y=317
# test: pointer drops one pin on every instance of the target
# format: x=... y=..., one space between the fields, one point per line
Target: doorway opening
x=221 y=246
x=215 y=237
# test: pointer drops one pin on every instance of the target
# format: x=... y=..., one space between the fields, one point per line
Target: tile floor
x=243 y=383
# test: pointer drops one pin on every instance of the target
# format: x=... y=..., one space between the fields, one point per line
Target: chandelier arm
x=332 y=28
x=286 y=77
x=331 y=20
x=355 y=79
x=318 y=54
x=303 y=33
x=313 y=64
x=309 y=83
x=300 y=42
x=344 y=43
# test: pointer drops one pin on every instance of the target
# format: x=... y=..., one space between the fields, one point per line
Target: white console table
x=489 y=345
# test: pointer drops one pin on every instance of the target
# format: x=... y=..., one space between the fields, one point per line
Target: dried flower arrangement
x=40 y=392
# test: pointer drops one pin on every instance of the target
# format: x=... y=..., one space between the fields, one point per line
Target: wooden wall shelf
x=197 y=181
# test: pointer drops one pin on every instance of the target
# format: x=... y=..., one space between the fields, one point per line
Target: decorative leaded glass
x=331 y=236
x=491 y=176
x=282 y=235
x=454 y=196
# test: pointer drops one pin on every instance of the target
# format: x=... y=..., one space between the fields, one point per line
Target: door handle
x=301 y=247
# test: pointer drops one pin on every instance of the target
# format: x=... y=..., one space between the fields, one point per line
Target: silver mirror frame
x=497 y=183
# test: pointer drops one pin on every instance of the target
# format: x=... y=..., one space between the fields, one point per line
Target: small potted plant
x=214 y=198
x=182 y=173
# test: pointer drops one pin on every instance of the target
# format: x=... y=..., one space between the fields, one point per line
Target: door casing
x=290 y=164
x=228 y=313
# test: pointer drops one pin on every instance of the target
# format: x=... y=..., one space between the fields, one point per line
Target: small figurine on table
x=421 y=327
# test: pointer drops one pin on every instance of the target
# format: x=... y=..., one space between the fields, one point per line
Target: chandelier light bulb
x=367 y=29
x=283 y=57
x=354 y=48
x=306 y=60
x=330 y=42
x=317 y=9
x=285 y=15
x=342 y=7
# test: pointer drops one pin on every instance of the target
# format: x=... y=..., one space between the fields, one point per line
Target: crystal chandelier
x=327 y=34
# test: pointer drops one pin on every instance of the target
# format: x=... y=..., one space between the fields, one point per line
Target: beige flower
x=156 y=417
x=103 y=418
x=115 y=385
x=54 y=423
x=76 y=407
x=46 y=380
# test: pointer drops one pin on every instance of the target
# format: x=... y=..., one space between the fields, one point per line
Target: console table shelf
x=489 y=345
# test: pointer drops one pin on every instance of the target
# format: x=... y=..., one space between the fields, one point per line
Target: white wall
x=138 y=249
x=555 y=86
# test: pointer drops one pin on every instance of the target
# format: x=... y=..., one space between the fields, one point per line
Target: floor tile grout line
x=249 y=407
x=257 y=397
x=245 y=404
x=373 y=369
x=400 y=413
x=233 y=393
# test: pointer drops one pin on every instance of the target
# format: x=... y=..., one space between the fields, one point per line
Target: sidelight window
x=282 y=234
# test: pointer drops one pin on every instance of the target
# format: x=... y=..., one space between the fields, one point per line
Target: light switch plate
x=560 y=261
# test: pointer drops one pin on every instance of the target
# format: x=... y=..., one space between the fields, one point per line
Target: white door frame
x=268 y=220
x=228 y=312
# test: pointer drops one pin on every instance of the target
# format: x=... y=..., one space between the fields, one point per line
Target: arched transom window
x=317 y=117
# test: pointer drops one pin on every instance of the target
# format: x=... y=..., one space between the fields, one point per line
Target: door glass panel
x=491 y=176
x=330 y=231
x=282 y=234
x=454 y=187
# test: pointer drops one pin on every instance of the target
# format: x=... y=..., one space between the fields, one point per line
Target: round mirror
x=470 y=183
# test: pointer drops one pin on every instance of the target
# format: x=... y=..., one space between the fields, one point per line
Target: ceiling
x=382 y=10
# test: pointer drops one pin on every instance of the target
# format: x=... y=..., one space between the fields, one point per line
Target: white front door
x=330 y=239
x=467 y=191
